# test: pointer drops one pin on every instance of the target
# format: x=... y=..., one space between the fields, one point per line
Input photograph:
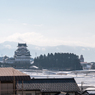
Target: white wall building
x=22 y=54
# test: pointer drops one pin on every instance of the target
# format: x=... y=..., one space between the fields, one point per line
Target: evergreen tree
x=58 y=61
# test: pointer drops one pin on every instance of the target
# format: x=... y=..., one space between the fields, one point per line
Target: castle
x=21 y=55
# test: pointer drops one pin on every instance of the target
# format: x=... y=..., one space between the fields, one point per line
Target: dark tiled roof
x=22 y=44
x=50 y=85
x=17 y=78
x=22 y=51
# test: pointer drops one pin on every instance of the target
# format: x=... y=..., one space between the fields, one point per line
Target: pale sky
x=48 y=22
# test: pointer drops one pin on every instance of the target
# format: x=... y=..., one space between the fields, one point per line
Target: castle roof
x=22 y=51
x=22 y=44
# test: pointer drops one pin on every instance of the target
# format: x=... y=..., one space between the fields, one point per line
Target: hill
x=58 y=61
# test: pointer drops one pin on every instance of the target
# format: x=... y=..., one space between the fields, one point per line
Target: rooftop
x=7 y=74
x=11 y=72
x=50 y=85
x=22 y=44
x=91 y=91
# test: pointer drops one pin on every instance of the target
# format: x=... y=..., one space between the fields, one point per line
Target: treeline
x=58 y=61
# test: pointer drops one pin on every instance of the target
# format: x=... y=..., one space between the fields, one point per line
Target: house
x=48 y=86
x=88 y=92
x=14 y=82
x=8 y=79
x=86 y=66
x=91 y=92
x=4 y=58
x=10 y=60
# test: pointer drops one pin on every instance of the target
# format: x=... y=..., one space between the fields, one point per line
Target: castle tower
x=81 y=58
x=22 y=54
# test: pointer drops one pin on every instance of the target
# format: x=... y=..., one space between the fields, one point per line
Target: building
x=8 y=79
x=1 y=59
x=5 y=58
x=48 y=86
x=88 y=92
x=14 y=82
x=22 y=54
x=9 y=60
x=81 y=58
x=86 y=65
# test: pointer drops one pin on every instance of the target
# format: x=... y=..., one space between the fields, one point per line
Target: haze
x=48 y=22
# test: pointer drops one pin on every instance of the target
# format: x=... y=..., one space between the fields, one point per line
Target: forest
x=58 y=61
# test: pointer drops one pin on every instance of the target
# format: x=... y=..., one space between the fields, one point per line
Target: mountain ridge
x=8 y=48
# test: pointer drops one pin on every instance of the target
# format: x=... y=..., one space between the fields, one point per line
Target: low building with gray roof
x=47 y=86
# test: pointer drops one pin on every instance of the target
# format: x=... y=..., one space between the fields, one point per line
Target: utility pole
x=22 y=87
x=13 y=82
x=82 y=85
